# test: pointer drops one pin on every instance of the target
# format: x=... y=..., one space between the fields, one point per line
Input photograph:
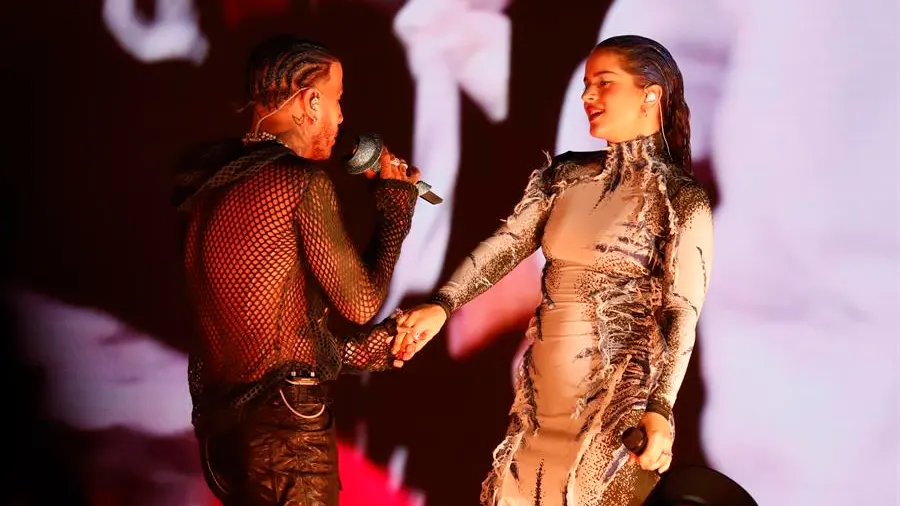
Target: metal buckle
x=306 y=379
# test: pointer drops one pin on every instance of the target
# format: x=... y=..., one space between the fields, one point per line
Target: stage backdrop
x=793 y=387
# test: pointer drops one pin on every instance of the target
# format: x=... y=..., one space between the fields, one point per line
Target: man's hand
x=657 y=456
x=392 y=167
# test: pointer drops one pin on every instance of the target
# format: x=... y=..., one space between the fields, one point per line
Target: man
x=267 y=257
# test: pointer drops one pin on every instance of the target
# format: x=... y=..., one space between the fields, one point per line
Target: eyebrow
x=600 y=73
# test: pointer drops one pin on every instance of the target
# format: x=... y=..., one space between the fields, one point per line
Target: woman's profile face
x=612 y=99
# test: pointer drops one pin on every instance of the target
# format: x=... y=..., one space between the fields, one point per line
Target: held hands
x=657 y=456
x=415 y=328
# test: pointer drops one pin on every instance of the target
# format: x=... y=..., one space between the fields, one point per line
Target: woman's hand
x=415 y=328
x=657 y=455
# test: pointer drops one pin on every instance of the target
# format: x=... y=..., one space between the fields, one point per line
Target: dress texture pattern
x=628 y=240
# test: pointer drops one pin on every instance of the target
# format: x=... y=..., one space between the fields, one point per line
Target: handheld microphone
x=365 y=156
x=688 y=485
x=635 y=439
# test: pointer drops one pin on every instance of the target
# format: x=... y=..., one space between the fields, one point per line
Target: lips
x=593 y=113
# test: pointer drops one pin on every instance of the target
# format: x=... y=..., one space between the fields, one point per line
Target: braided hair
x=281 y=65
x=651 y=63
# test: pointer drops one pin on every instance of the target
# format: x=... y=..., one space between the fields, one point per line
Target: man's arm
x=355 y=284
x=370 y=348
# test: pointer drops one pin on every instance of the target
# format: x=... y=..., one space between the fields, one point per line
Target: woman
x=627 y=233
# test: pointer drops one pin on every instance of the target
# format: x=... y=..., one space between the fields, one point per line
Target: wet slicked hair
x=651 y=63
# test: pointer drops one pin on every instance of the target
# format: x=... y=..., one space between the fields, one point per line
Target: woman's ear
x=652 y=94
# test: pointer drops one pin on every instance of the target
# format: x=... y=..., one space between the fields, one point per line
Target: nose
x=340 y=118
x=589 y=96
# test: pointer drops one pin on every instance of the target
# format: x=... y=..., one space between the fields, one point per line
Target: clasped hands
x=415 y=328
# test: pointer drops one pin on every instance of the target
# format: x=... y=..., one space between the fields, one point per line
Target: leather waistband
x=307 y=392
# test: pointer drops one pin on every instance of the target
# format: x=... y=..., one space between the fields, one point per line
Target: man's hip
x=280 y=451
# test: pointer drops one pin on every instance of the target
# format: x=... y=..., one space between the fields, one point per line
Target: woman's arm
x=515 y=240
x=683 y=300
x=496 y=256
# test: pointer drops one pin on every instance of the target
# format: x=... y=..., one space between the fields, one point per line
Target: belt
x=292 y=372
x=301 y=394
x=306 y=391
x=293 y=382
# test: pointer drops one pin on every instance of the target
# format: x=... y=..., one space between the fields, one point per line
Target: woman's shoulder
x=682 y=186
x=579 y=158
x=573 y=165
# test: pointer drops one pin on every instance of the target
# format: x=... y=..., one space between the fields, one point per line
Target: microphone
x=688 y=485
x=365 y=156
x=635 y=439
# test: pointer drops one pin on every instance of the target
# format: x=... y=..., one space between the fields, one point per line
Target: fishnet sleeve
x=356 y=285
x=495 y=257
x=683 y=300
x=369 y=349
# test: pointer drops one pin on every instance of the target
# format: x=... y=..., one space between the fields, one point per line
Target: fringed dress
x=628 y=240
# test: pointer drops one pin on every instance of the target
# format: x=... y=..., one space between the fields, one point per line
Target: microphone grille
x=366 y=154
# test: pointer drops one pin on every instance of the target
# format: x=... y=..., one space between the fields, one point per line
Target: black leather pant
x=275 y=457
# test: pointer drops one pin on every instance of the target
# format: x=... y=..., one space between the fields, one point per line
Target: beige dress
x=628 y=242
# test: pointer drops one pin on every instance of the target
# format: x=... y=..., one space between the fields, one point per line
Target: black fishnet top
x=267 y=255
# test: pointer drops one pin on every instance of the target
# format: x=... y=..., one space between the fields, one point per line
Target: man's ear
x=309 y=101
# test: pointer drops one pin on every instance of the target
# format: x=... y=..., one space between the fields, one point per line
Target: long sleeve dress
x=628 y=241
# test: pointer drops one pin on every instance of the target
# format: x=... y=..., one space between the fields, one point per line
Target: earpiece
x=651 y=97
x=315 y=103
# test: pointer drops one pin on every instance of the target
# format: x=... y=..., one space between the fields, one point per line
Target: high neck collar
x=646 y=155
x=652 y=146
